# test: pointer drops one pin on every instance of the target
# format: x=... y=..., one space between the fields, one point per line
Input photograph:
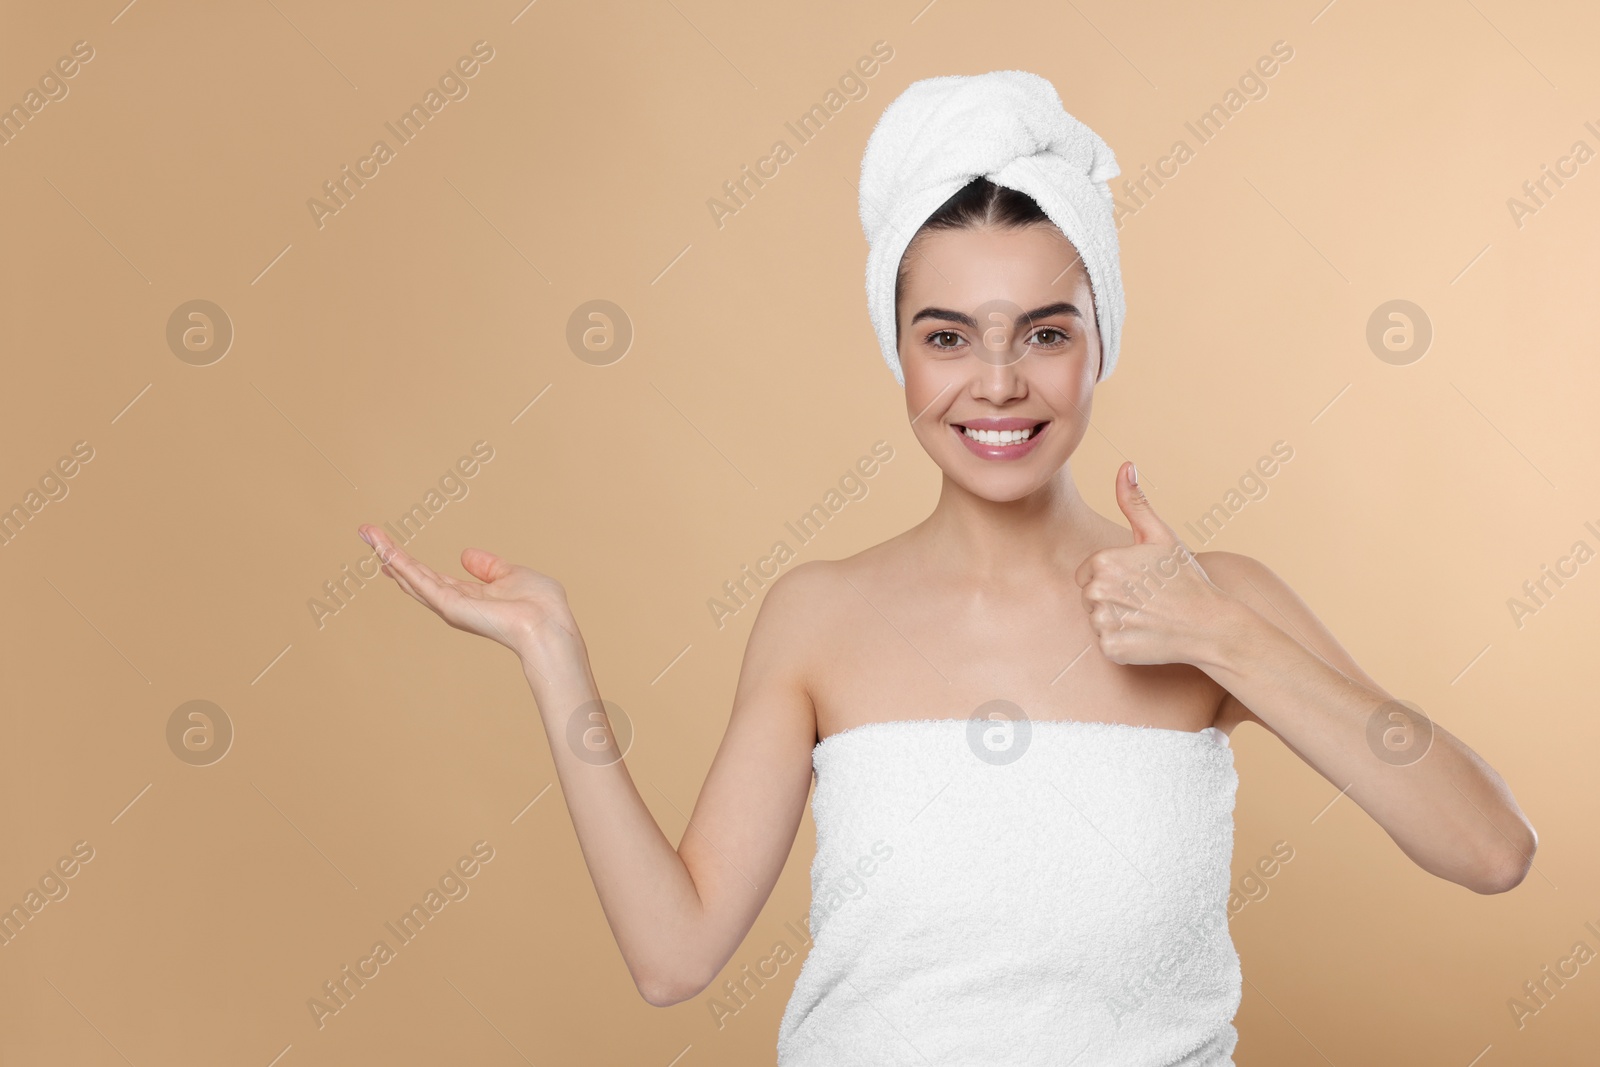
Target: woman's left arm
x=1446 y=808
x=1236 y=620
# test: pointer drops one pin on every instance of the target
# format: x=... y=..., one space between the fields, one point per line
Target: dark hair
x=978 y=203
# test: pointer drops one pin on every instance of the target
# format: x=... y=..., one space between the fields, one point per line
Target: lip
x=1012 y=422
x=1002 y=452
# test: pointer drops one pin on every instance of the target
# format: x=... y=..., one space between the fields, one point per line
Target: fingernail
x=1133 y=474
x=365 y=537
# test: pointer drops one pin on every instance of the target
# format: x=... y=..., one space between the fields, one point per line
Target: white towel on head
x=1007 y=126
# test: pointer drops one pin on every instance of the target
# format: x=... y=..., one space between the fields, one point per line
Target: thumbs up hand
x=1151 y=601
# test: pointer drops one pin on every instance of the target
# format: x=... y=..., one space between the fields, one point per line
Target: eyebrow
x=1060 y=307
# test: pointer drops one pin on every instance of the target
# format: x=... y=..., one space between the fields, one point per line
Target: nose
x=997 y=369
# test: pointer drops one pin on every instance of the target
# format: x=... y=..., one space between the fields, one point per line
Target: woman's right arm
x=678 y=914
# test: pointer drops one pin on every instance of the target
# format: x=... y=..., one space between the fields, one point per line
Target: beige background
x=371 y=752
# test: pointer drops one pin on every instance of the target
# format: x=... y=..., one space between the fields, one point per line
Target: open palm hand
x=508 y=603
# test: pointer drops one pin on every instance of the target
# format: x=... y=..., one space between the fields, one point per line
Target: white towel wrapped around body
x=1007 y=126
x=1066 y=907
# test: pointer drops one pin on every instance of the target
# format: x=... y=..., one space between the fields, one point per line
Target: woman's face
x=997 y=332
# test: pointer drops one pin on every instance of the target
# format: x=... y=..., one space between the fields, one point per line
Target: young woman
x=1017 y=712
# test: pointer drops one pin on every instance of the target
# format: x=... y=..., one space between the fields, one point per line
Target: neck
x=1012 y=541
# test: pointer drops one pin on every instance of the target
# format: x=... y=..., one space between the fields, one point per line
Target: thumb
x=1146 y=524
x=484 y=566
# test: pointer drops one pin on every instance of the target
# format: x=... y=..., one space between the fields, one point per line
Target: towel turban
x=1007 y=126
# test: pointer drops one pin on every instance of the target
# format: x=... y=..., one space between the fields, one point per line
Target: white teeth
x=998 y=437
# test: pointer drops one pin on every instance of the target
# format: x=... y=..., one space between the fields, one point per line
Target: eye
x=954 y=339
x=1061 y=337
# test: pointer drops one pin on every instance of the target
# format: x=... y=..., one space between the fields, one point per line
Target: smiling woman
x=1029 y=702
x=1032 y=318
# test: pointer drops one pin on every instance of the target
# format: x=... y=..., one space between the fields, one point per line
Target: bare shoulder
x=1261 y=589
x=793 y=610
x=822 y=582
x=800 y=593
x=1240 y=575
x=802 y=616
x=809 y=605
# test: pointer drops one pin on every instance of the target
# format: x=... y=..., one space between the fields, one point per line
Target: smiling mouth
x=1001 y=437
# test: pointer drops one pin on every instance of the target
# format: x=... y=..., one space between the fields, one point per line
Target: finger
x=416 y=579
x=374 y=538
x=433 y=599
x=400 y=580
x=1115 y=647
x=427 y=571
x=1086 y=570
x=1147 y=526
x=405 y=586
x=445 y=595
x=389 y=552
x=465 y=588
x=434 y=594
x=382 y=543
x=484 y=565
x=1118 y=597
x=1109 y=618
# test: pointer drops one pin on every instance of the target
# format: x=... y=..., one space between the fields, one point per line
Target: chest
x=910 y=651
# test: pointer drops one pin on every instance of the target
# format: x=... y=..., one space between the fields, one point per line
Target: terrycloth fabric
x=1069 y=907
x=1007 y=126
